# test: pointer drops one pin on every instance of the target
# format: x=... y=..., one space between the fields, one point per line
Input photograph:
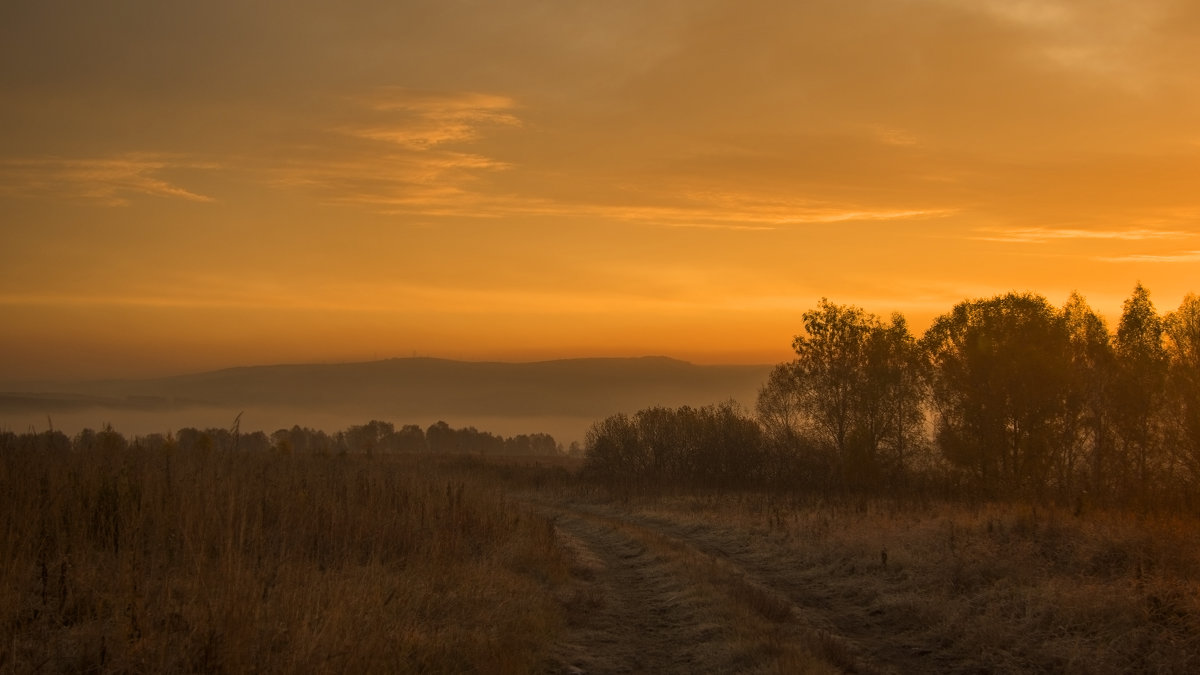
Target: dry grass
x=127 y=560
x=1003 y=588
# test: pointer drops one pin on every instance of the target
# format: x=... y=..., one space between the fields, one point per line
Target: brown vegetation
x=125 y=559
x=954 y=588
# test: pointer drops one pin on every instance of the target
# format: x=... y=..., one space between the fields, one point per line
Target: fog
x=560 y=398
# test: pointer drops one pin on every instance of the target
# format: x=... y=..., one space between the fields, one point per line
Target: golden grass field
x=129 y=560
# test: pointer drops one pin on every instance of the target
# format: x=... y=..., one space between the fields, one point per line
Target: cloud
x=396 y=151
x=1041 y=235
x=1101 y=41
x=422 y=121
x=749 y=213
x=111 y=181
x=387 y=181
x=1180 y=257
x=892 y=136
x=415 y=153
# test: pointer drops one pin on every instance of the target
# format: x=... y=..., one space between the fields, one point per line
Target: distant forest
x=372 y=437
x=1000 y=398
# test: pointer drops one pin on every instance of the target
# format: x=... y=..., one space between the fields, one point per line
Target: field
x=127 y=560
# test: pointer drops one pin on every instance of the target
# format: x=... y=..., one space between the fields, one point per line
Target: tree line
x=370 y=438
x=1005 y=396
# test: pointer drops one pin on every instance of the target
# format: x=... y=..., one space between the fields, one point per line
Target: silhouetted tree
x=728 y=445
x=530 y=444
x=780 y=407
x=614 y=452
x=470 y=439
x=853 y=394
x=831 y=371
x=999 y=383
x=441 y=438
x=713 y=446
x=890 y=412
x=299 y=438
x=46 y=442
x=1087 y=434
x=1183 y=407
x=255 y=441
x=369 y=437
x=1138 y=396
x=410 y=438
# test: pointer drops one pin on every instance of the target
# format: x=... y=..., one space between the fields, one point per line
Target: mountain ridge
x=411 y=388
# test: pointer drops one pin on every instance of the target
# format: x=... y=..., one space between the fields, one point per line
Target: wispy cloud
x=1180 y=257
x=1079 y=38
x=892 y=136
x=762 y=215
x=1041 y=235
x=418 y=154
x=398 y=152
x=752 y=209
x=426 y=183
x=111 y=181
x=748 y=215
x=422 y=121
x=404 y=152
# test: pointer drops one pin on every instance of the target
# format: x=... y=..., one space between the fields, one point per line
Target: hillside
x=399 y=390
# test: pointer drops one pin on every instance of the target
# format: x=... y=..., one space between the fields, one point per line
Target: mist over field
x=561 y=397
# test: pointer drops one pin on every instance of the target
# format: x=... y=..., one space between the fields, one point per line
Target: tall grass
x=123 y=559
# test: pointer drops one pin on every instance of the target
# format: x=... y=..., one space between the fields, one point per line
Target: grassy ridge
x=136 y=561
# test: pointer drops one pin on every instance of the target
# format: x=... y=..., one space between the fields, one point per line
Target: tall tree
x=780 y=408
x=789 y=434
x=831 y=363
x=998 y=385
x=852 y=389
x=1138 y=395
x=1183 y=353
x=1087 y=435
x=890 y=399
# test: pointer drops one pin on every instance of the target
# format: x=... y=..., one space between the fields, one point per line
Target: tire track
x=882 y=638
x=854 y=629
x=648 y=617
x=630 y=612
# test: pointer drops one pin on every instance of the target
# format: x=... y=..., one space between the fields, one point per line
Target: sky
x=189 y=186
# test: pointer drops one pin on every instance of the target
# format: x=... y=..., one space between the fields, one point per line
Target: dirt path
x=633 y=610
x=878 y=633
x=630 y=612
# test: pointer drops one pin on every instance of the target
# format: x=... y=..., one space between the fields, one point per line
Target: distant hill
x=411 y=389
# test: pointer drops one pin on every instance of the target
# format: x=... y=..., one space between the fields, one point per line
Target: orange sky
x=186 y=186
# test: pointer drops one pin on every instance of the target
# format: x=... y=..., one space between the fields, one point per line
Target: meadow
x=124 y=558
x=128 y=560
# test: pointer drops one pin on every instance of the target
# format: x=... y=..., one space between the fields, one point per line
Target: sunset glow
x=202 y=185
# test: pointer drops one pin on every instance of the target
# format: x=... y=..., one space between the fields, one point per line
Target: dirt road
x=631 y=612
x=649 y=598
x=655 y=596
